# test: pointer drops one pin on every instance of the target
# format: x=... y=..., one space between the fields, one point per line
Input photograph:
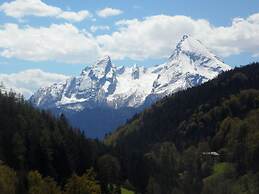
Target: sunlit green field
x=125 y=191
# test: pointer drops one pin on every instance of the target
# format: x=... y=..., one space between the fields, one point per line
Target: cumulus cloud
x=28 y=81
x=75 y=16
x=63 y=43
x=138 y=39
x=22 y=8
x=96 y=28
x=156 y=36
x=108 y=12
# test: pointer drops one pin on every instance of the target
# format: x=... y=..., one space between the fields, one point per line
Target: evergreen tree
x=86 y=184
x=8 y=180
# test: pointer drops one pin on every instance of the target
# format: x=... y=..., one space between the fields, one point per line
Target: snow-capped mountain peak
x=103 y=63
x=104 y=84
x=190 y=46
x=100 y=69
x=190 y=64
x=179 y=46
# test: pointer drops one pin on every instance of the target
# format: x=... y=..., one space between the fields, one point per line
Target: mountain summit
x=190 y=64
x=106 y=86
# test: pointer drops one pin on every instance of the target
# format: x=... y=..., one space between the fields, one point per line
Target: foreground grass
x=125 y=191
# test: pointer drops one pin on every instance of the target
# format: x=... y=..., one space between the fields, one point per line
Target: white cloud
x=156 y=36
x=63 y=43
x=151 y=37
x=21 y=8
x=108 y=11
x=254 y=18
x=75 y=16
x=28 y=81
x=96 y=28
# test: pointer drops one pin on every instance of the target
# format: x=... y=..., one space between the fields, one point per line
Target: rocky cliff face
x=106 y=86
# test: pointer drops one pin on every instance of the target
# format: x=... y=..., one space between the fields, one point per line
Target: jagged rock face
x=90 y=89
x=105 y=85
x=190 y=64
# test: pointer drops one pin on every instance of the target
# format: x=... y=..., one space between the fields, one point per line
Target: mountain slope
x=201 y=140
x=190 y=64
x=31 y=139
x=182 y=104
x=106 y=88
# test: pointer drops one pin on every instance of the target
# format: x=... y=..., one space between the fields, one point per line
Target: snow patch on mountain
x=106 y=85
x=190 y=64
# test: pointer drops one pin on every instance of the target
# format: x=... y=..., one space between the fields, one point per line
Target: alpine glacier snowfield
x=105 y=84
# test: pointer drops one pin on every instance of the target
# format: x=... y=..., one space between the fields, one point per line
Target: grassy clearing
x=223 y=167
x=125 y=191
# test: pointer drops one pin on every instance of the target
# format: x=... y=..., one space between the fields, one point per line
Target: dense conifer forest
x=41 y=154
x=200 y=140
x=203 y=140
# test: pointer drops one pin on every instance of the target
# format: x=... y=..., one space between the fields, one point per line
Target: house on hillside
x=211 y=156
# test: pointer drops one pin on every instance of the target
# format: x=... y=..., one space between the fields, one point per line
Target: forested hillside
x=201 y=140
x=40 y=154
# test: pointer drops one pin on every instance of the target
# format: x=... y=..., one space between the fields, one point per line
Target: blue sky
x=67 y=39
